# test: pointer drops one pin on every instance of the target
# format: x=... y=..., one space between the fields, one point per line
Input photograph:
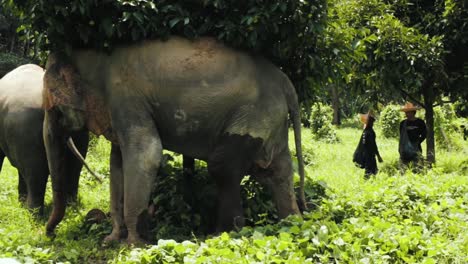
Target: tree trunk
x=26 y=47
x=428 y=93
x=12 y=44
x=335 y=105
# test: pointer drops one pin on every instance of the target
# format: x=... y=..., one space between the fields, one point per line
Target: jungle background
x=345 y=58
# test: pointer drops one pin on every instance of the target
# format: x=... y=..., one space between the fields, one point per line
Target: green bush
x=320 y=121
x=389 y=121
x=447 y=132
x=9 y=61
x=461 y=107
x=180 y=219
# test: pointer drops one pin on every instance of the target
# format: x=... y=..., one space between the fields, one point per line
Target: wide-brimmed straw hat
x=364 y=117
x=408 y=107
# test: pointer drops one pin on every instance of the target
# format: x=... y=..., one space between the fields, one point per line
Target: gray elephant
x=21 y=139
x=199 y=98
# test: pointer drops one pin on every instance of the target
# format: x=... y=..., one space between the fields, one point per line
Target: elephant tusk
x=75 y=151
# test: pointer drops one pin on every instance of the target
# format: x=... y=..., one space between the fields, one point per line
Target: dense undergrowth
x=391 y=218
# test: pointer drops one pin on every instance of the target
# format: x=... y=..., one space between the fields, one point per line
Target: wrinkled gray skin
x=21 y=118
x=198 y=98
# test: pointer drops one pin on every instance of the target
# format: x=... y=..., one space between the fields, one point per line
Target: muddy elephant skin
x=198 y=98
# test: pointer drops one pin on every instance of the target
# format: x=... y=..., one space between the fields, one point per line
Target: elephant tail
x=295 y=115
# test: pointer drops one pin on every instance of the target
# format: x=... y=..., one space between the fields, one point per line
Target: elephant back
x=22 y=88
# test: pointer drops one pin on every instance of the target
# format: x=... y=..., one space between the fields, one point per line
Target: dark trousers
x=370 y=167
x=415 y=164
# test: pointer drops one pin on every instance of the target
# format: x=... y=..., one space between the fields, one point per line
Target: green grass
x=391 y=218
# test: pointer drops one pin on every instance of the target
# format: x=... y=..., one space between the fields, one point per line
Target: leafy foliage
x=392 y=220
x=15 y=35
x=412 y=49
x=447 y=128
x=387 y=219
x=321 y=123
x=187 y=208
x=389 y=121
x=9 y=62
x=397 y=56
x=285 y=32
x=184 y=209
x=449 y=20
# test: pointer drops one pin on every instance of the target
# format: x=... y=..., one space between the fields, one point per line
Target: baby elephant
x=21 y=118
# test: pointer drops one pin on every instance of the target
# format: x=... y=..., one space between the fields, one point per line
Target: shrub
x=9 y=61
x=446 y=127
x=389 y=121
x=320 y=121
x=180 y=219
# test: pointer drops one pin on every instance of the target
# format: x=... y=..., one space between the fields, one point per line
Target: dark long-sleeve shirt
x=368 y=140
x=370 y=151
x=416 y=130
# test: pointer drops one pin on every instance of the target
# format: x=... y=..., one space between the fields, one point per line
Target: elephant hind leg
x=278 y=177
x=35 y=178
x=188 y=174
x=22 y=189
x=229 y=162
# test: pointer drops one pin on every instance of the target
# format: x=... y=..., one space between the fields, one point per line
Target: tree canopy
x=285 y=32
x=384 y=51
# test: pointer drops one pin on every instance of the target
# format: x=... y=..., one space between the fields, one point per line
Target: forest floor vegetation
x=390 y=218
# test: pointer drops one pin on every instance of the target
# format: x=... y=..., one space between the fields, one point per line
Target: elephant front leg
x=141 y=152
x=74 y=165
x=116 y=195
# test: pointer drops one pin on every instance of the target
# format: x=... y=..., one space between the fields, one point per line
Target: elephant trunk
x=54 y=142
x=57 y=213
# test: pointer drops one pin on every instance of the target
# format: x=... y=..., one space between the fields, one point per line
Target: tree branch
x=407 y=95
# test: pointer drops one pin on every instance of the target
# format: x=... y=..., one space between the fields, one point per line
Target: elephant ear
x=62 y=85
x=99 y=121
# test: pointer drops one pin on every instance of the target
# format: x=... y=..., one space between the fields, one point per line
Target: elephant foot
x=113 y=238
x=116 y=236
x=50 y=234
x=136 y=241
x=22 y=198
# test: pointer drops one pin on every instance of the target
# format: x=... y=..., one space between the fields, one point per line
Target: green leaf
x=173 y=22
x=260 y=255
x=108 y=27
x=295 y=230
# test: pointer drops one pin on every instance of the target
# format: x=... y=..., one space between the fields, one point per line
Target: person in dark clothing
x=412 y=134
x=370 y=150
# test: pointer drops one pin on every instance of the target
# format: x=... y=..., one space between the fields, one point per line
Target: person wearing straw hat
x=412 y=134
x=369 y=146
